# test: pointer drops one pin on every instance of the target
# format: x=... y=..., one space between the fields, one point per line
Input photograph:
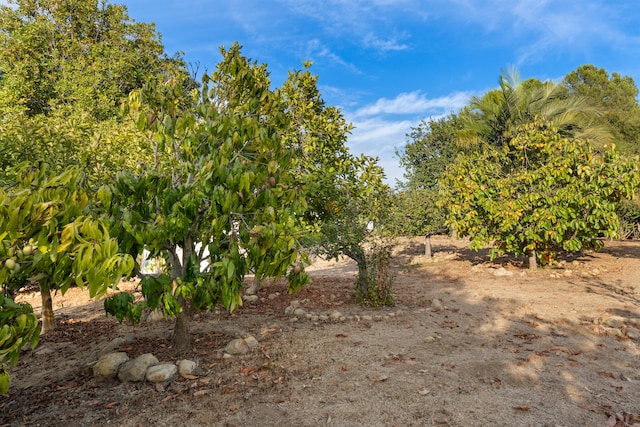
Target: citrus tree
x=538 y=193
x=218 y=199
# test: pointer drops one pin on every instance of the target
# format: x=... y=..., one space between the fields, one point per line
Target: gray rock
x=186 y=367
x=367 y=318
x=115 y=343
x=323 y=317
x=251 y=342
x=160 y=373
x=134 y=370
x=237 y=346
x=107 y=366
x=272 y=296
x=155 y=315
x=436 y=305
x=633 y=334
x=250 y=298
x=299 y=312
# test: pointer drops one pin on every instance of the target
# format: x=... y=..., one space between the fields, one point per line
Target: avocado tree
x=218 y=199
x=49 y=239
x=18 y=326
x=538 y=193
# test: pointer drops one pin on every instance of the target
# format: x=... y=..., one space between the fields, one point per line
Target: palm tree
x=492 y=118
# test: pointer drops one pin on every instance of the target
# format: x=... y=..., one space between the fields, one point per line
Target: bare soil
x=469 y=343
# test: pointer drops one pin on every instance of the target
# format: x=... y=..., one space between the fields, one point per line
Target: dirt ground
x=469 y=343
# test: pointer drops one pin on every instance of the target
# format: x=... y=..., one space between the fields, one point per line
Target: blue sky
x=390 y=63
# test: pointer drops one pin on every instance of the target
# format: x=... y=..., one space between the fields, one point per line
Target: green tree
x=617 y=96
x=219 y=191
x=48 y=238
x=18 y=326
x=66 y=67
x=430 y=148
x=345 y=193
x=538 y=193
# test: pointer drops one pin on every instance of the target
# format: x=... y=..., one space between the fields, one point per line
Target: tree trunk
x=454 y=234
x=181 y=338
x=532 y=260
x=255 y=286
x=427 y=247
x=48 y=321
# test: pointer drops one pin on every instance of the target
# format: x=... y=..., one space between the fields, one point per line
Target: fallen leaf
x=606 y=374
x=247 y=370
x=344 y=368
x=190 y=377
x=381 y=378
x=201 y=393
x=591 y=409
x=111 y=405
x=342 y=336
x=228 y=390
x=234 y=407
x=159 y=387
x=521 y=408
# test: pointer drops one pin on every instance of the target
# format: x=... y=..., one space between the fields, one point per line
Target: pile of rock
x=296 y=313
x=618 y=326
x=145 y=367
x=117 y=364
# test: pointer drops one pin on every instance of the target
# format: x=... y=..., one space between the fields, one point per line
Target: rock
x=251 y=342
x=323 y=317
x=107 y=366
x=237 y=346
x=314 y=318
x=272 y=296
x=611 y=322
x=367 y=318
x=134 y=370
x=155 y=315
x=186 y=367
x=41 y=350
x=436 y=305
x=299 y=312
x=288 y=310
x=633 y=334
x=399 y=313
x=160 y=373
x=115 y=343
x=250 y=298
x=335 y=316
x=294 y=304
x=502 y=272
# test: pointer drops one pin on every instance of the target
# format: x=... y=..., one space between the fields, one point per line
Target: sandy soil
x=468 y=343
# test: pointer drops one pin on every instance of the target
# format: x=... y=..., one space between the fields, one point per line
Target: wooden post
x=427 y=247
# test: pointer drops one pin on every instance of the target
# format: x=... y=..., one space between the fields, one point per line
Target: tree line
x=109 y=147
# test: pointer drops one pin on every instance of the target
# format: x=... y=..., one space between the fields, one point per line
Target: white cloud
x=316 y=49
x=416 y=103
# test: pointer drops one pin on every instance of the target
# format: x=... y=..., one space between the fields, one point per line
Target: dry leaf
x=111 y=405
x=521 y=408
x=159 y=387
x=247 y=370
x=190 y=377
x=234 y=407
x=607 y=374
x=591 y=409
x=342 y=336
x=381 y=378
x=201 y=393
